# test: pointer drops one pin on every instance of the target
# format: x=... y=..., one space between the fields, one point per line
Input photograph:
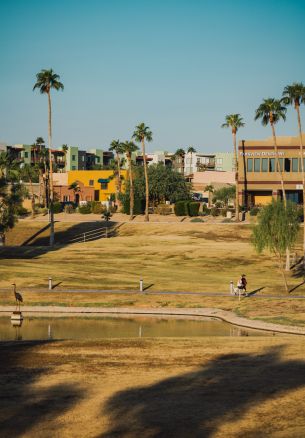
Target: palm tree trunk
x=303 y=176
x=131 y=194
x=236 y=178
x=33 y=198
x=146 y=182
x=51 y=172
x=118 y=188
x=277 y=164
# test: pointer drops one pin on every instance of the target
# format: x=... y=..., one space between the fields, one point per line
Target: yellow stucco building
x=101 y=181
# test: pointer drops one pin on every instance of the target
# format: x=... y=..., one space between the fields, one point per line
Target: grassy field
x=201 y=387
x=169 y=257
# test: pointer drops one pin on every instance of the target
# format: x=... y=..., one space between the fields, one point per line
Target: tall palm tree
x=116 y=146
x=272 y=111
x=129 y=147
x=141 y=134
x=181 y=154
x=191 y=151
x=46 y=80
x=295 y=95
x=234 y=121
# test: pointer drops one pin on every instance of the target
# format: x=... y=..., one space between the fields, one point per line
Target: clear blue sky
x=178 y=65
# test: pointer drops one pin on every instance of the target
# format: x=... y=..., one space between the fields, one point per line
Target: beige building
x=258 y=179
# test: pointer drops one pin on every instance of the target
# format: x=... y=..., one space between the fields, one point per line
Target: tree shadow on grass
x=22 y=406
x=37 y=245
x=196 y=403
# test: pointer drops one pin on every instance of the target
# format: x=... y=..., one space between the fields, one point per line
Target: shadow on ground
x=196 y=403
x=22 y=406
x=37 y=245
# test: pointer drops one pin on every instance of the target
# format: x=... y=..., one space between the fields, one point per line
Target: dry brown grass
x=175 y=257
x=207 y=387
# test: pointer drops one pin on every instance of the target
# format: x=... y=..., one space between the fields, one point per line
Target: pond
x=97 y=327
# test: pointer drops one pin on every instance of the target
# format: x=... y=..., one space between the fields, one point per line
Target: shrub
x=21 y=211
x=254 y=211
x=69 y=208
x=224 y=212
x=214 y=211
x=205 y=210
x=113 y=208
x=218 y=204
x=97 y=208
x=84 y=209
x=181 y=208
x=138 y=208
x=300 y=213
x=196 y=219
x=163 y=209
x=193 y=208
x=57 y=207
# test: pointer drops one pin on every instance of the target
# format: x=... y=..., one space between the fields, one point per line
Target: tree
x=129 y=147
x=270 y=112
x=141 y=134
x=165 y=184
x=65 y=149
x=116 y=146
x=29 y=173
x=295 y=95
x=209 y=188
x=75 y=187
x=276 y=230
x=11 y=193
x=180 y=153
x=191 y=151
x=46 y=80
x=234 y=121
x=225 y=194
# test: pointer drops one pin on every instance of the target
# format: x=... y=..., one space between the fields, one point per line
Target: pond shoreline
x=208 y=312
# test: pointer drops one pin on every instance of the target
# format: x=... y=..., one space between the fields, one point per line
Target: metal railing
x=87 y=236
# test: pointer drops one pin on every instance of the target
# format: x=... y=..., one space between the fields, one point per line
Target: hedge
x=181 y=208
x=193 y=208
x=84 y=209
x=138 y=208
x=57 y=207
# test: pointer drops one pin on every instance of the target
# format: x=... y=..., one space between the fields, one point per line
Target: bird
x=18 y=297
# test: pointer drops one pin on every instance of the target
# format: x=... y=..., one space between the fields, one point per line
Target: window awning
x=101 y=180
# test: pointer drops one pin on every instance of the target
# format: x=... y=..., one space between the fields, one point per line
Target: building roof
x=280 y=140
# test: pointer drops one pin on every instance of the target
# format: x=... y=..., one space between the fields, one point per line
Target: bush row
x=187 y=208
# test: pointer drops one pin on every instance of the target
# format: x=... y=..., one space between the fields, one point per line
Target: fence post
x=231 y=287
x=141 y=285
x=50 y=283
x=84 y=237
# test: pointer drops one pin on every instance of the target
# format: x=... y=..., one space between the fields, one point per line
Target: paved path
x=148 y=292
x=223 y=315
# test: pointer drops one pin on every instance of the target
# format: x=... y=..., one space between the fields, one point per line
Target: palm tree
x=295 y=95
x=271 y=111
x=116 y=146
x=141 y=134
x=129 y=147
x=181 y=154
x=75 y=187
x=46 y=80
x=234 y=121
x=191 y=151
x=65 y=149
x=209 y=188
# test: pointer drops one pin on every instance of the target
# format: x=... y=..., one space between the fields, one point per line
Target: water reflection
x=17 y=323
x=116 y=327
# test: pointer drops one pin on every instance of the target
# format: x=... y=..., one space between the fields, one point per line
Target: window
x=91 y=182
x=295 y=165
x=281 y=164
x=96 y=195
x=264 y=164
x=250 y=164
x=287 y=164
x=73 y=167
x=73 y=157
x=272 y=165
x=219 y=161
x=83 y=158
x=257 y=164
x=97 y=159
x=66 y=198
x=26 y=155
x=104 y=186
